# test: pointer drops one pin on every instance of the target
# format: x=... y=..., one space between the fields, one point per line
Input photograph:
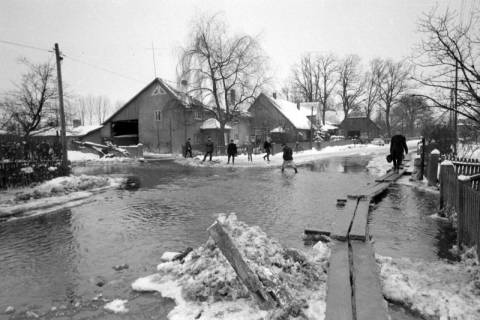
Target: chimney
x=275 y=95
x=76 y=123
x=298 y=105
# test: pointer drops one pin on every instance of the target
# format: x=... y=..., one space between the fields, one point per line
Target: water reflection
x=60 y=255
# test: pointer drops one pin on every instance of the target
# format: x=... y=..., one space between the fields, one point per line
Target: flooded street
x=67 y=258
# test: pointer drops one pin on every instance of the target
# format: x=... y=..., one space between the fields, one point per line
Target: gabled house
x=280 y=119
x=357 y=125
x=159 y=117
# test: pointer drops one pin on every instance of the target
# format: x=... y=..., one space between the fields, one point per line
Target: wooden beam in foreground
x=359 y=230
x=246 y=275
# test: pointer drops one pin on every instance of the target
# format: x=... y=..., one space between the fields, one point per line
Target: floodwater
x=65 y=259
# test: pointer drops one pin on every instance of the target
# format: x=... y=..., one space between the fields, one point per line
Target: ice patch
x=116 y=306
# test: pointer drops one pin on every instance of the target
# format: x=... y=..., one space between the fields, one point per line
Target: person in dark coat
x=188 y=148
x=231 y=151
x=267 y=145
x=288 y=158
x=398 y=144
x=208 y=149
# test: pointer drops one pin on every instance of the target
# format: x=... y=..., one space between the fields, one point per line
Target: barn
x=159 y=117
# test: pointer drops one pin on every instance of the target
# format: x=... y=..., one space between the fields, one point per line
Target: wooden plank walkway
x=369 y=302
x=343 y=220
x=353 y=285
x=359 y=230
x=339 y=289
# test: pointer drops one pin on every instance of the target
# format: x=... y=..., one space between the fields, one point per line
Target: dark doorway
x=125 y=132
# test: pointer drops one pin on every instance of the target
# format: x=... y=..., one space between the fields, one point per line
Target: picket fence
x=459 y=191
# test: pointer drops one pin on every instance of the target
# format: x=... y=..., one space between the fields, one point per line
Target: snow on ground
x=116 y=306
x=298 y=157
x=435 y=290
x=54 y=194
x=205 y=286
x=78 y=156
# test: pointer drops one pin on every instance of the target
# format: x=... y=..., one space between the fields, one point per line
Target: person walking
x=231 y=151
x=267 y=145
x=188 y=148
x=249 y=151
x=288 y=158
x=208 y=149
x=398 y=144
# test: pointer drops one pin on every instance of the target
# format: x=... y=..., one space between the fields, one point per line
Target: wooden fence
x=459 y=192
x=23 y=173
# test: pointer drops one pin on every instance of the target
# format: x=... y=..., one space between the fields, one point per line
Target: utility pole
x=63 y=135
x=154 y=64
x=455 y=93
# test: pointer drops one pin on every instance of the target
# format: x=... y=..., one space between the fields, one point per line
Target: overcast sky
x=117 y=35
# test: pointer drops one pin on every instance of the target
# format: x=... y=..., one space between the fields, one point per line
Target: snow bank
x=56 y=192
x=116 y=306
x=205 y=286
x=78 y=156
x=436 y=290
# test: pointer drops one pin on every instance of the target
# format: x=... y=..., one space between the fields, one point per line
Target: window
x=197 y=115
x=158 y=115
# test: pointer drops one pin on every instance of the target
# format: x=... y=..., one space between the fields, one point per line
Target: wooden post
x=422 y=156
x=462 y=185
x=63 y=135
x=433 y=167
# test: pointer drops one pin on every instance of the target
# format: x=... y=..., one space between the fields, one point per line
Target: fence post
x=433 y=167
x=422 y=157
x=463 y=182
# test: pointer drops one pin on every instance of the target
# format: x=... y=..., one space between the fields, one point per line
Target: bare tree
x=451 y=45
x=33 y=100
x=408 y=114
x=392 y=83
x=351 y=84
x=306 y=78
x=217 y=63
x=327 y=68
x=372 y=90
x=93 y=110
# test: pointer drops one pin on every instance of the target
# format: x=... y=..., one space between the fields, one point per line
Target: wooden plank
x=359 y=230
x=339 y=290
x=246 y=275
x=343 y=220
x=369 y=302
x=385 y=176
x=316 y=232
x=376 y=190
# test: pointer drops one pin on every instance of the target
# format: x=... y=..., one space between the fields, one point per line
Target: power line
x=102 y=69
x=24 y=45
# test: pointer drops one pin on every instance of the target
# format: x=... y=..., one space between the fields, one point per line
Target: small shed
x=359 y=126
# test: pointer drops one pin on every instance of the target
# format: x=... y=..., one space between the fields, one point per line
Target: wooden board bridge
x=353 y=285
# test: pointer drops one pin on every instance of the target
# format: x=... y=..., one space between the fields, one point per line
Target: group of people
x=27 y=150
x=232 y=152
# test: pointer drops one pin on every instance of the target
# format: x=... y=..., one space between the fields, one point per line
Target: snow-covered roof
x=327 y=126
x=70 y=131
x=331 y=116
x=213 y=123
x=290 y=111
x=277 y=130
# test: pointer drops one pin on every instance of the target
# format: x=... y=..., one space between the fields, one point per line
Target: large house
x=279 y=119
x=161 y=118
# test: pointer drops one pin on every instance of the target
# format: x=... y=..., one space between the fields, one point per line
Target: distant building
x=280 y=119
x=357 y=125
x=159 y=117
x=52 y=134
